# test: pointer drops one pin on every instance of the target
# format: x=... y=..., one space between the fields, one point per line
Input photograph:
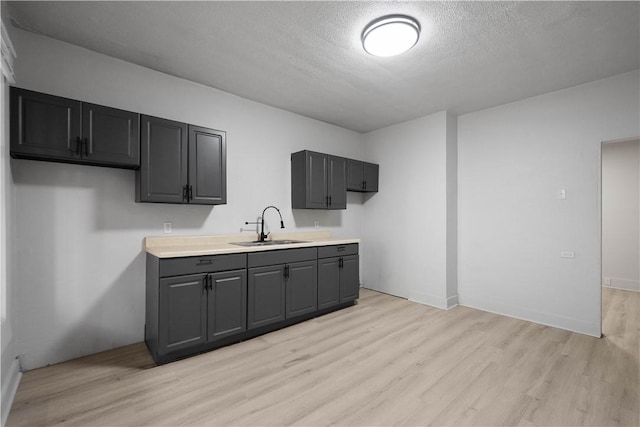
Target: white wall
x=621 y=215
x=512 y=228
x=404 y=231
x=79 y=260
x=9 y=368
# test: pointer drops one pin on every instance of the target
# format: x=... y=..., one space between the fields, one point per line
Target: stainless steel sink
x=268 y=243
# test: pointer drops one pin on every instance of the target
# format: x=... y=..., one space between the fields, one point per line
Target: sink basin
x=269 y=243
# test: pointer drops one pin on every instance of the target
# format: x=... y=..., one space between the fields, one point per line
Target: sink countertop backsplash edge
x=183 y=246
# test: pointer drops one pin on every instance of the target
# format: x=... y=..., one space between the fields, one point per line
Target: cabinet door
x=302 y=288
x=328 y=282
x=355 y=175
x=44 y=126
x=337 y=182
x=207 y=166
x=349 y=278
x=266 y=296
x=182 y=312
x=371 y=177
x=317 y=194
x=111 y=136
x=227 y=304
x=162 y=176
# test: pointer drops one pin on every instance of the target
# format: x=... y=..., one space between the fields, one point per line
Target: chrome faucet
x=263 y=236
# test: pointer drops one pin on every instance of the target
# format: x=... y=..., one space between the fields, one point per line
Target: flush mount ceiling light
x=390 y=35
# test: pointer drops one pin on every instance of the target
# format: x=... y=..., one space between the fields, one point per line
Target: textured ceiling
x=306 y=57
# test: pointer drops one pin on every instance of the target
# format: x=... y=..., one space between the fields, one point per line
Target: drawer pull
x=205 y=262
x=341 y=248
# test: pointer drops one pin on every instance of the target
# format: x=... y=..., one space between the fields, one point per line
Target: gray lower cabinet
x=282 y=285
x=181 y=163
x=328 y=282
x=47 y=127
x=338 y=275
x=349 y=278
x=183 y=318
x=200 y=308
x=226 y=304
x=193 y=301
x=301 y=280
x=266 y=292
x=198 y=303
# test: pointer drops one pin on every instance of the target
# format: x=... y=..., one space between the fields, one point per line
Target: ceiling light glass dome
x=390 y=35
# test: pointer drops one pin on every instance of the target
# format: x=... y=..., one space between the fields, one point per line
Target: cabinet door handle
x=330 y=201
x=185 y=193
x=85 y=143
x=364 y=184
x=78 y=144
x=286 y=271
x=210 y=282
x=190 y=192
x=341 y=262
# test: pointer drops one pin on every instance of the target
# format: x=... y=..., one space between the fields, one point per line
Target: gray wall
x=513 y=159
x=79 y=271
x=405 y=227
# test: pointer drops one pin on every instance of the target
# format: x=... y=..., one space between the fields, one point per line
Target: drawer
x=201 y=264
x=284 y=256
x=337 y=250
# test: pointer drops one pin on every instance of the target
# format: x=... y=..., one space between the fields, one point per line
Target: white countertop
x=183 y=246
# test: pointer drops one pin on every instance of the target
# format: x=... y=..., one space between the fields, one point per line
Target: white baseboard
x=452 y=302
x=9 y=389
x=434 y=301
x=623 y=284
x=523 y=313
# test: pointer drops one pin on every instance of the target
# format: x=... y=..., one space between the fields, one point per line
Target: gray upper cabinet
x=163 y=161
x=362 y=176
x=318 y=181
x=207 y=166
x=180 y=163
x=111 y=136
x=47 y=127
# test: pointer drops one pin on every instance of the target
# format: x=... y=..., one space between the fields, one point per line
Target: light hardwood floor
x=385 y=361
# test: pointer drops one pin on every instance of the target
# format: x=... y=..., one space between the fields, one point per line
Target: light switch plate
x=168 y=227
x=562 y=194
x=316 y=224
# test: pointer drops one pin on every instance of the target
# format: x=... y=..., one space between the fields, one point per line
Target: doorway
x=620 y=196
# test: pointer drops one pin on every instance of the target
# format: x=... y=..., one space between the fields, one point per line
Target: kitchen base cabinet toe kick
x=199 y=303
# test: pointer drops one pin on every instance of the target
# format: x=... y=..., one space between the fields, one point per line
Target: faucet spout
x=263 y=236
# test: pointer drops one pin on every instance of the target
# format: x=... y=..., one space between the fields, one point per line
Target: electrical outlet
x=316 y=224
x=168 y=227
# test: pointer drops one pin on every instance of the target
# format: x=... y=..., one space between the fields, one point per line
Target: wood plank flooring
x=385 y=361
